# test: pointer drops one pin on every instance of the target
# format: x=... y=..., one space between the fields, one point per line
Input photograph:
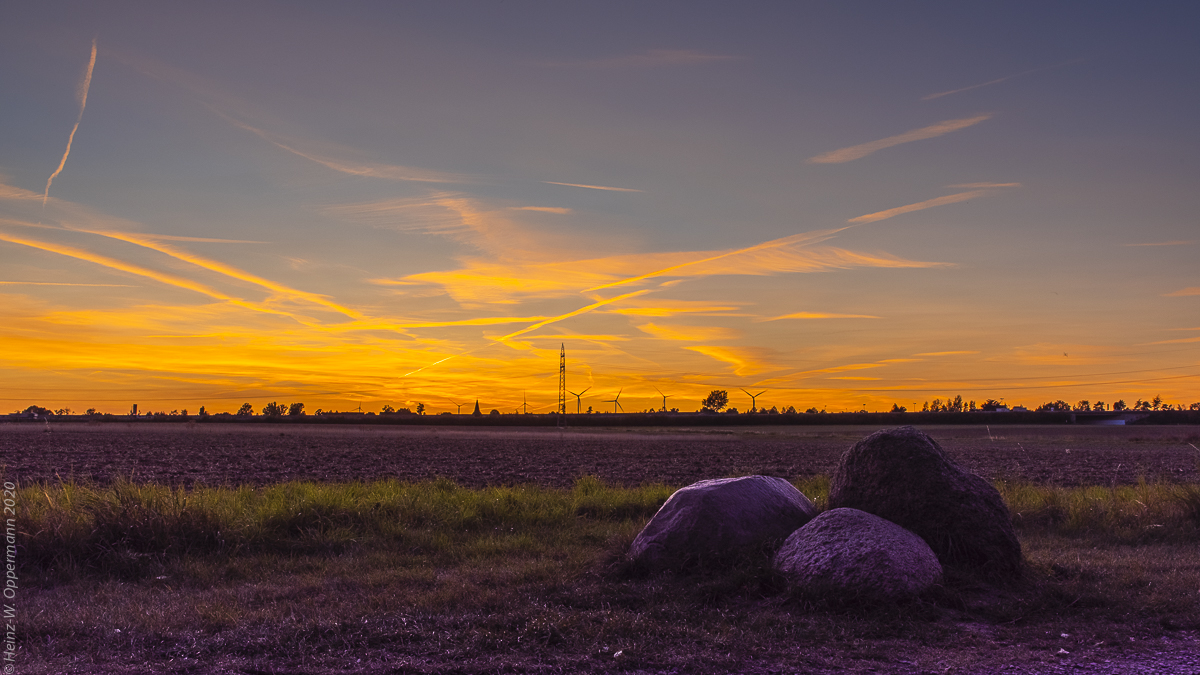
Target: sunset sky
x=843 y=204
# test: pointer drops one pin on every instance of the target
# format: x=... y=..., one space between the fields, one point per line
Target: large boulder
x=851 y=555
x=904 y=476
x=717 y=522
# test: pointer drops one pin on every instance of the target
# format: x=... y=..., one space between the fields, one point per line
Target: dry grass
x=420 y=578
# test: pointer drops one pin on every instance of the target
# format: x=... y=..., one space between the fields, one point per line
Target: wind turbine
x=753 y=399
x=524 y=404
x=460 y=405
x=616 y=401
x=665 y=397
x=578 y=401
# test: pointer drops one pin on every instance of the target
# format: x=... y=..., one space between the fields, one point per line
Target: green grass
x=314 y=576
x=78 y=528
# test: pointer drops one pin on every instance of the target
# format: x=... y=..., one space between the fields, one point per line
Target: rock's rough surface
x=904 y=476
x=847 y=554
x=713 y=522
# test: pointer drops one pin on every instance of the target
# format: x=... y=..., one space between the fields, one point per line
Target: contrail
x=83 y=92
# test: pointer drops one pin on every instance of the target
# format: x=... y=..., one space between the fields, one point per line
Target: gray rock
x=904 y=476
x=847 y=554
x=716 y=522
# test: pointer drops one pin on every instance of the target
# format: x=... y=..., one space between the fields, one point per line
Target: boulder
x=847 y=554
x=904 y=476
x=714 y=523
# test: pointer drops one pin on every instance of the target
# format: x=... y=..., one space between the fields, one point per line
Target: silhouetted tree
x=1098 y=406
x=1055 y=406
x=1120 y=405
x=203 y=412
x=274 y=409
x=420 y=408
x=898 y=408
x=246 y=410
x=296 y=409
x=716 y=400
x=1083 y=406
x=1195 y=406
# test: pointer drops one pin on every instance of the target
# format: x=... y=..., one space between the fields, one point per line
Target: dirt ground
x=231 y=454
x=225 y=454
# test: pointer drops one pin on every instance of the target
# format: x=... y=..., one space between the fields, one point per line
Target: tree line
x=717 y=401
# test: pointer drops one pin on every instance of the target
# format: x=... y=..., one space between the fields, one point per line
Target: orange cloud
x=864 y=149
x=919 y=206
x=743 y=360
x=1192 y=290
x=228 y=270
x=161 y=277
x=822 y=315
x=593 y=187
x=688 y=333
x=544 y=209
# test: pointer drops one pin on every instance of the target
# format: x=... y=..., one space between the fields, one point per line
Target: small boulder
x=847 y=554
x=716 y=522
x=904 y=476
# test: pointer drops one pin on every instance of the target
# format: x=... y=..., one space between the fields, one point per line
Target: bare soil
x=230 y=454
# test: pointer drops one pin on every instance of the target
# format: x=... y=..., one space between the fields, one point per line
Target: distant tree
x=955 y=406
x=716 y=400
x=420 y=408
x=1157 y=402
x=318 y=411
x=1141 y=405
x=898 y=408
x=296 y=409
x=1055 y=406
x=589 y=410
x=925 y=408
x=494 y=412
x=731 y=411
x=791 y=410
x=387 y=409
x=812 y=411
x=1083 y=406
x=1195 y=406
x=90 y=412
x=246 y=410
x=1120 y=405
x=274 y=409
x=203 y=412
x=63 y=411
x=973 y=408
x=1098 y=406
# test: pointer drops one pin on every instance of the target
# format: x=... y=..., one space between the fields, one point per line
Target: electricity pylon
x=562 y=379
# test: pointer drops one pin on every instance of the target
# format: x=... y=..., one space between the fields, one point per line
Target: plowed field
x=258 y=454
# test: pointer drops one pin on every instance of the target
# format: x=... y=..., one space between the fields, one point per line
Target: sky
x=844 y=205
